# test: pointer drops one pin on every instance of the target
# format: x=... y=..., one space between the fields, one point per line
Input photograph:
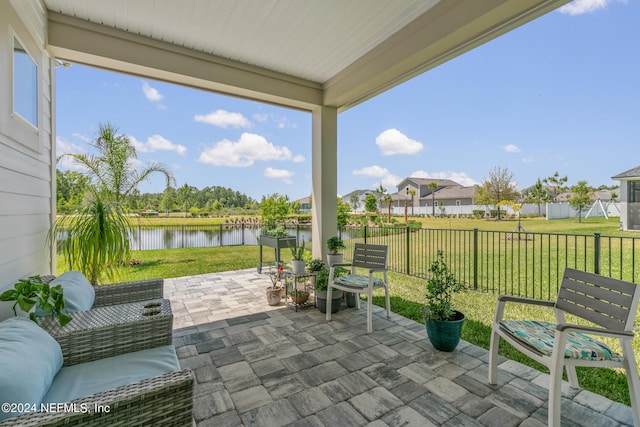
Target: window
x=634 y=192
x=25 y=85
x=457 y=202
x=436 y=203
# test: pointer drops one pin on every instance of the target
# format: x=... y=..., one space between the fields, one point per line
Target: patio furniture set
x=113 y=364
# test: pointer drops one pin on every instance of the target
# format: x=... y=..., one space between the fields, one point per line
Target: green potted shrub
x=33 y=293
x=298 y=262
x=334 y=244
x=320 y=287
x=443 y=323
x=314 y=266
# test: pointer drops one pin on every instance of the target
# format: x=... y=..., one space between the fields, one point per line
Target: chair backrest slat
x=369 y=256
x=608 y=302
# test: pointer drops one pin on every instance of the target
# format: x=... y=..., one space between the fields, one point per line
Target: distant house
x=305 y=204
x=447 y=193
x=629 y=198
x=361 y=195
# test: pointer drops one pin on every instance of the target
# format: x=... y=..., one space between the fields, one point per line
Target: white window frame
x=15 y=114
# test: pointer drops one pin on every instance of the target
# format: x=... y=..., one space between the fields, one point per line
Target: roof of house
x=357 y=193
x=631 y=173
x=427 y=181
x=456 y=192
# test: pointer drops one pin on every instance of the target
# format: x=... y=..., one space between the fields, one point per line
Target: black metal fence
x=516 y=263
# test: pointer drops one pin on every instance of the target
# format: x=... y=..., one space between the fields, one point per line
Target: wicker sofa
x=125 y=292
x=117 y=348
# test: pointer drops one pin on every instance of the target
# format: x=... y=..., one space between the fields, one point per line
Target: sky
x=561 y=93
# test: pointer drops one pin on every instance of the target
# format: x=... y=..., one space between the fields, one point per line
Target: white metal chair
x=608 y=304
x=374 y=259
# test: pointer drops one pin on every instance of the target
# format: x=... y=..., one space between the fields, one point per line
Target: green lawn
x=407 y=292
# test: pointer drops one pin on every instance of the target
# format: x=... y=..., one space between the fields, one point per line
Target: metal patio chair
x=374 y=259
x=608 y=305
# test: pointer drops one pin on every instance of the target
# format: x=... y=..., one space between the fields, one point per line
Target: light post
x=405 y=206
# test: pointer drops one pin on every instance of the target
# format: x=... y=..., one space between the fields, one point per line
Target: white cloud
x=81 y=137
x=151 y=93
x=388 y=180
x=157 y=143
x=528 y=159
x=392 y=141
x=245 y=152
x=579 y=7
x=510 y=148
x=65 y=147
x=375 y=171
x=460 y=177
x=224 y=119
x=391 y=181
x=281 y=122
x=282 y=174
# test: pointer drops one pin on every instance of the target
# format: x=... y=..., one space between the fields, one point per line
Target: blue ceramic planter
x=445 y=334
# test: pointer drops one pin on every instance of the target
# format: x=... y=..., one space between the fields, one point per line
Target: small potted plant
x=334 y=244
x=299 y=296
x=443 y=323
x=298 y=262
x=321 y=286
x=33 y=292
x=314 y=266
x=274 y=292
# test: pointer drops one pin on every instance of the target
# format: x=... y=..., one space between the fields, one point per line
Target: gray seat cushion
x=85 y=379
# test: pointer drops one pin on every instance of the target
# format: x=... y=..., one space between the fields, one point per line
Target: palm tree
x=389 y=201
x=97 y=239
x=185 y=193
x=433 y=186
x=112 y=167
x=412 y=193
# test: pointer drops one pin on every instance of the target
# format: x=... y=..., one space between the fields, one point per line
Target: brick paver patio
x=257 y=365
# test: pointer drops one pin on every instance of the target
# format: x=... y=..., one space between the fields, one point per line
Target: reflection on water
x=187 y=236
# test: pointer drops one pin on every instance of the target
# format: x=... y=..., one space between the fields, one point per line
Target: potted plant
x=274 y=292
x=320 y=287
x=443 y=323
x=299 y=296
x=334 y=244
x=297 y=259
x=33 y=292
x=273 y=233
x=314 y=266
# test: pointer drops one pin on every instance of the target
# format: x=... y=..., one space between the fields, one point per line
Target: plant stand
x=276 y=243
x=292 y=302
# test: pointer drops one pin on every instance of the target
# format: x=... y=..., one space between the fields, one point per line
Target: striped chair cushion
x=539 y=336
x=358 y=281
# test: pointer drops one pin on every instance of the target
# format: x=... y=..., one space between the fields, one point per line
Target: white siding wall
x=26 y=172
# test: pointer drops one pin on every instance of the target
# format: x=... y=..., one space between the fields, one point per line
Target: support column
x=324 y=173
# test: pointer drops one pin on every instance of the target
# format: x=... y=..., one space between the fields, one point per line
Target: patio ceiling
x=299 y=54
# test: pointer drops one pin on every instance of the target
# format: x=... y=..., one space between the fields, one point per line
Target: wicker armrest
x=108 y=331
x=165 y=400
x=127 y=292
